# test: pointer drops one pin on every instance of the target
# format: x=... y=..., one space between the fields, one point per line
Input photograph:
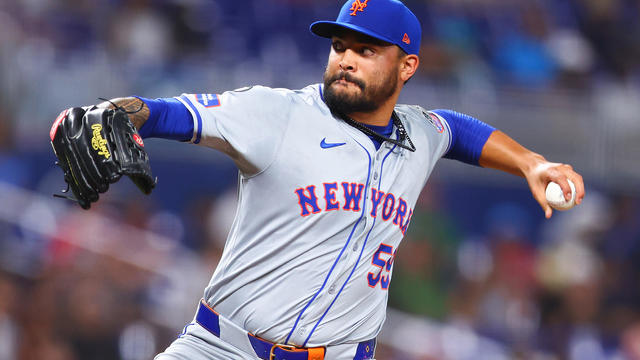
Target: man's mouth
x=346 y=80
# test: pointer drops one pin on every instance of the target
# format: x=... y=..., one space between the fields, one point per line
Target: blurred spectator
x=520 y=55
x=423 y=269
x=9 y=336
x=12 y=169
x=620 y=250
x=140 y=35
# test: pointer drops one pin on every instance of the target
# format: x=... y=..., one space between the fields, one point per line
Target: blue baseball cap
x=387 y=20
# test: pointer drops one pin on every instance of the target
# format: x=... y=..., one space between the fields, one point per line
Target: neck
x=378 y=117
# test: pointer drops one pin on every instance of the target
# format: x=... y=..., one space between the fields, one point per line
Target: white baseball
x=555 y=196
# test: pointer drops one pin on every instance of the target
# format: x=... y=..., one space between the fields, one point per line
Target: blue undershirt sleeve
x=468 y=136
x=168 y=119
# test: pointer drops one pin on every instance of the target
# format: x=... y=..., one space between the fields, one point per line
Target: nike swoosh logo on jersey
x=325 y=145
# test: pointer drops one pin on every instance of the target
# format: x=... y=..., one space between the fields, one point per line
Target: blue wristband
x=468 y=136
x=168 y=119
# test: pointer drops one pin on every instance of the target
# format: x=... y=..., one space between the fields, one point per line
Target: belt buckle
x=272 y=354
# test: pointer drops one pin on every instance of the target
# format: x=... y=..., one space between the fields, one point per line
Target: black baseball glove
x=95 y=147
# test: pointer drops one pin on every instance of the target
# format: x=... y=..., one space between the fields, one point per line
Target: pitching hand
x=543 y=173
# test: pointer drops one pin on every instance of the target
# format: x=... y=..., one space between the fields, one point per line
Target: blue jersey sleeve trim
x=468 y=136
x=168 y=119
x=198 y=118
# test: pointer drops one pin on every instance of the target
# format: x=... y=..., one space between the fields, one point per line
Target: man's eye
x=367 y=51
x=337 y=46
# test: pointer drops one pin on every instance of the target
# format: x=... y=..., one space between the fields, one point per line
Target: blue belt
x=210 y=320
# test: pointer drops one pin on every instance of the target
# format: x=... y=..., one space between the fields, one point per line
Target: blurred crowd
x=120 y=281
x=570 y=293
x=540 y=43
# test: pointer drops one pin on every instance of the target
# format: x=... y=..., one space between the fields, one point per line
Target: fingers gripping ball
x=95 y=147
x=555 y=196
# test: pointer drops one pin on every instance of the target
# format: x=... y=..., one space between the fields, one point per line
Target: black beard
x=369 y=101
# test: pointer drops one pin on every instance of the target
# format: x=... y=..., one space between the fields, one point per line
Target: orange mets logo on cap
x=405 y=39
x=358 y=5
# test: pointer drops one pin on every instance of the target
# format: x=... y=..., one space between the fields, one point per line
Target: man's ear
x=408 y=66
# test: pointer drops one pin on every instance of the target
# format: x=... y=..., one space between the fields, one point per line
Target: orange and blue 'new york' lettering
x=400 y=212
x=330 y=196
x=376 y=196
x=387 y=206
x=352 y=199
x=352 y=195
x=308 y=201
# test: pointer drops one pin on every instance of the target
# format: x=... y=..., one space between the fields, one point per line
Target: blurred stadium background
x=480 y=274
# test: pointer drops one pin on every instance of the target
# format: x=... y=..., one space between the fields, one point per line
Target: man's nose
x=347 y=62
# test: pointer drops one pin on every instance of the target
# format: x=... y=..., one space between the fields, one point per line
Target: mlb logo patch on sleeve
x=208 y=100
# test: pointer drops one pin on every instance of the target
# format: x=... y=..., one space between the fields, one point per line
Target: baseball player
x=328 y=179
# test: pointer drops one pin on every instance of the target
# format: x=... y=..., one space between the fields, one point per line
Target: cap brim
x=327 y=29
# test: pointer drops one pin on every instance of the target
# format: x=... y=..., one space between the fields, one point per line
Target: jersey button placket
x=300 y=333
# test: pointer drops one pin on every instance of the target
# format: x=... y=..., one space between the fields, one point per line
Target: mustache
x=347 y=77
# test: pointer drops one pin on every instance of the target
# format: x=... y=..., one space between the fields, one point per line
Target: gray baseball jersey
x=321 y=212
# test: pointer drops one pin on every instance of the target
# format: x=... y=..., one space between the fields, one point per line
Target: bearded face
x=345 y=94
